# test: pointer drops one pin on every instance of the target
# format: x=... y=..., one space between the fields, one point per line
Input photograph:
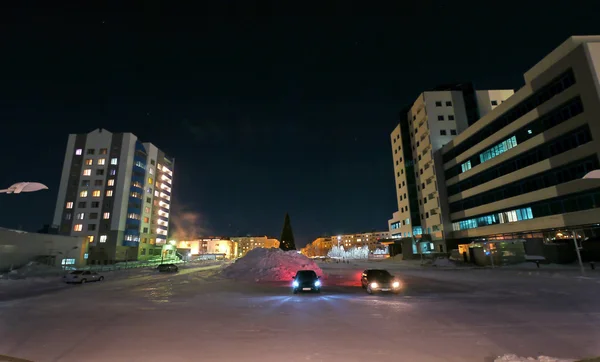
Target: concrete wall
x=18 y=248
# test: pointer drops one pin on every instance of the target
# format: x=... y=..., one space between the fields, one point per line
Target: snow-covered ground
x=198 y=315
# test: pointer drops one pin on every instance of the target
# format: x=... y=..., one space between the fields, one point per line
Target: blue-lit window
x=498 y=218
x=466 y=166
x=396 y=225
x=417 y=230
x=498 y=149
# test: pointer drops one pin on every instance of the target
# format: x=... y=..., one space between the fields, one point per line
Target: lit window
x=83 y=193
x=102 y=238
x=150 y=180
x=111 y=182
x=80 y=216
x=96 y=193
x=78 y=227
x=106 y=215
x=109 y=193
x=113 y=161
x=466 y=166
x=89 y=162
x=87 y=172
x=90 y=238
x=113 y=172
x=78 y=151
x=102 y=162
x=151 y=171
x=69 y=205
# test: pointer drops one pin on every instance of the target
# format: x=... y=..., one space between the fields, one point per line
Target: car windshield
x=378 y=274
x=306 y=274
x=77 y=272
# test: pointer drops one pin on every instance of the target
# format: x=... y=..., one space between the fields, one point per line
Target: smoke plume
x=187 y=224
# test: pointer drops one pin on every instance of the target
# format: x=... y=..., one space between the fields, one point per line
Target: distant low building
x=228 y=248
x=318 y=247
x=363 y=239
x=18 y=248
x=247 y=243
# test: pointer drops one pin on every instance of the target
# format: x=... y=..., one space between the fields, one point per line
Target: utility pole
x=577 y=251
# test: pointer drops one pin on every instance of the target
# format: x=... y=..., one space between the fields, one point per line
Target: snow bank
x=262 y=264
x=515 y=358
x=34 y=269
x=443 y=263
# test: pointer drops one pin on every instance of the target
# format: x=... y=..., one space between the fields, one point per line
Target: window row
x=564 y=143
x=554 y=87
x=91 y=216
x=83 y=204
x=560 y=205
x=573 y=171
x=91 y=151
x=95 y=193
x=439 y=104
x=99 y=172
x=450 y=117
x=498 y=218
x=558 y=115
x=99 y=182
x=443 y=132
x=79 y=227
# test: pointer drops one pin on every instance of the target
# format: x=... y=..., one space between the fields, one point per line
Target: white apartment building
x=434 y=119
x=116 y=192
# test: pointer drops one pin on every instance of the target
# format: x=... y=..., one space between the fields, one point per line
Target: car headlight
x=318 y=283
x=396 y=285
x=295 y=283
x=374 y=285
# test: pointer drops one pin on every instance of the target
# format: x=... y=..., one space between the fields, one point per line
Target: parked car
x=167 y=268
x=306 y=281
x=82 y=276
x=380 y=280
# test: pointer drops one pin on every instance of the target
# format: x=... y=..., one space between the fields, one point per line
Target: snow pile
x=262 y=264
x=515 y=358
x=443 y=263
x=34 y=269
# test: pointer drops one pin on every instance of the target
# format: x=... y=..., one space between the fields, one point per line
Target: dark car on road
x=380 y=280
x=306 y=281
x=167 y=268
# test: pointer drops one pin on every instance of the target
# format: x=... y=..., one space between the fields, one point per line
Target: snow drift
x=515 y=358
x=262 y=264
x=35 y=269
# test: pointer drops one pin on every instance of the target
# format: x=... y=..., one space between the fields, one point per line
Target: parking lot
x=441 y=315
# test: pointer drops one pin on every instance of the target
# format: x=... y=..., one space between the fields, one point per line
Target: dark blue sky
x=264 y=114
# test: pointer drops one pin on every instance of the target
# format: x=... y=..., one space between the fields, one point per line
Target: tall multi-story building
x=433 y=120
x=517 y=172
x=116 y=192
x=247 y=243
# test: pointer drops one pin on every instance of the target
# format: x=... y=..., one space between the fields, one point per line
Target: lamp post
x=592 y=175
x=24 y=187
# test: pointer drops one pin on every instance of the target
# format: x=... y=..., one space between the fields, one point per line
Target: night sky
x=265 y=112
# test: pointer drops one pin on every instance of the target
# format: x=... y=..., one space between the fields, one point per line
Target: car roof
x=368 y=270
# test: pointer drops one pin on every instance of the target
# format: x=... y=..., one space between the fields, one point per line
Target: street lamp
x=592 y=175
x=24 y=187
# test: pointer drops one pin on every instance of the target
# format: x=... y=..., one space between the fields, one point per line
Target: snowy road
x=453 y=315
